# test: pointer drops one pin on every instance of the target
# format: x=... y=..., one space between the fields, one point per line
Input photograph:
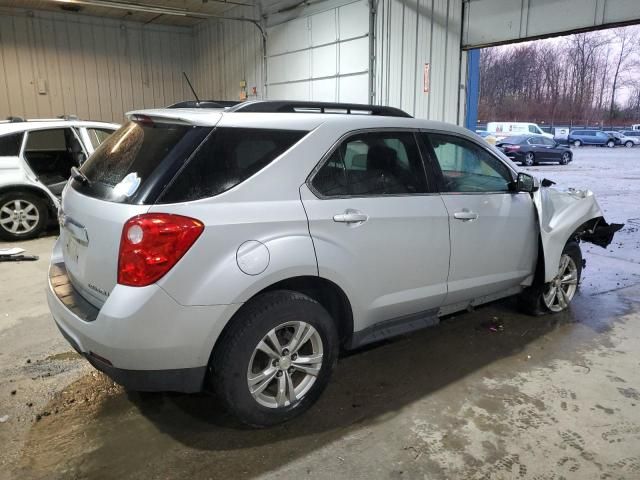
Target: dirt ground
x=545 y=398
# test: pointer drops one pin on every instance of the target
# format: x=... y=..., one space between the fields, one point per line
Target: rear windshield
x=10 y=145
x=132 y=164
x=226 y=158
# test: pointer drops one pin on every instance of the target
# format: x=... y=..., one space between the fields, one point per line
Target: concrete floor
x=546 y=398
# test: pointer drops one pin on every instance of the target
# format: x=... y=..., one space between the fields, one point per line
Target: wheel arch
x=37 y=191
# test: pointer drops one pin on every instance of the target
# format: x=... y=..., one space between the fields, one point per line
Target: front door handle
x=465 y=215
x=350 y=216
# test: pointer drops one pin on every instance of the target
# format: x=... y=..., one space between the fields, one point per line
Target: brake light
x=151 y=244
x=512 y=147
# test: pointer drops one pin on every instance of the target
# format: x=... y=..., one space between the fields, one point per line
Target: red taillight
x=510 y=148
x=151 y=244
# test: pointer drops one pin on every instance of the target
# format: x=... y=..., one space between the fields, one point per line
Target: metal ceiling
x=167 y=12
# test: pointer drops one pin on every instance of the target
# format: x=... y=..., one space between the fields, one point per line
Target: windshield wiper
x=78 y=175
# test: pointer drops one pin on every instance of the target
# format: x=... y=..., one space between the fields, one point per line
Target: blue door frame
x=473 y=89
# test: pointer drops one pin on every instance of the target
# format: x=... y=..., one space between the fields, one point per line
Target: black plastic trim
x=286 y=106
x=394 y=327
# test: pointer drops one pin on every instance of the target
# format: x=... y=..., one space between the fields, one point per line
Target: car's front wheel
x=577 y=143
x=22 y=216
x=275 y=358
x=556 y=295
x=628 y=144
x=611 y=144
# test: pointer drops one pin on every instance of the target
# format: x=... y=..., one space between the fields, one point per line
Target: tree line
x=584 y=79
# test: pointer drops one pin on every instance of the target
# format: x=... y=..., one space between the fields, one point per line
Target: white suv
x=36 y=157
x=239 y=250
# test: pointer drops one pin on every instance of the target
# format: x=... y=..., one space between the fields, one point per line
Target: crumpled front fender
x=564 y=215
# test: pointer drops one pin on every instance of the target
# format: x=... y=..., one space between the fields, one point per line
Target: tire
x=577 y=143
x=628 y=144
x=611 y=144
x=534 y=300
x=565 y=158
x=529 y=159
x=15 y=206
x=237 y=355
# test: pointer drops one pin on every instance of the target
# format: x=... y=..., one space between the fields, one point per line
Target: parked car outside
x=631 y=133
x=36 y=157
x=533 y=149
x=238 y=250
x=578 y=138
x=488 y=137
x=623 y=140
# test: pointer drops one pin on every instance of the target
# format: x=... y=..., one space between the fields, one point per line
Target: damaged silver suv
x=237 y=250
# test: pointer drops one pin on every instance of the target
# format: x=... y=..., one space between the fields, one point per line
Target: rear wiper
x=78 y=175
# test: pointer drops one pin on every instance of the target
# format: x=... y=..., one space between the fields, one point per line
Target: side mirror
x=526 y=183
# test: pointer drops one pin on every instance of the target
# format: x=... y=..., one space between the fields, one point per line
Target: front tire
x=611 y=144
x=577 y=143
x=628 y=144
x=22 y=216
x=555 y=296
x=275 y=358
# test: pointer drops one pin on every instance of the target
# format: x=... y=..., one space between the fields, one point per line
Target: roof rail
x=15 y=119
x=286 y=106
x=204 y=104
x=68 y=117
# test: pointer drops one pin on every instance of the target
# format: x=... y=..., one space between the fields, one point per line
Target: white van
x=506 y=129
x=635 y=127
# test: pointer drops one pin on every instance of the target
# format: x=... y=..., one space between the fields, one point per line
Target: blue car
x=577 y=138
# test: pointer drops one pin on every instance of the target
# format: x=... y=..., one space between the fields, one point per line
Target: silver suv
x=36 y=157
x=239 y=250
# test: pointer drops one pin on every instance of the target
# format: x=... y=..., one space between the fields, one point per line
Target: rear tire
x=529 y=159
x=240 y=362
x=611 y=144
x=565 y=158
x=23 y=216
x=577 y=143
x=536 y=299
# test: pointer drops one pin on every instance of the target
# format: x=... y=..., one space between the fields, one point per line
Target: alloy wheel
x=19 y=217
x=565 y=158
x=528 y=159
x=285 y=364
x=562 y=288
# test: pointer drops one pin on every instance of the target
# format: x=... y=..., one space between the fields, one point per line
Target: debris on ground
x=4 y=418
x=494 y=325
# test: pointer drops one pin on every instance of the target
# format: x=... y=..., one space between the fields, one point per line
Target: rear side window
x=98 y=135
x=226 y=158
x=139 y=158
x=10 y=145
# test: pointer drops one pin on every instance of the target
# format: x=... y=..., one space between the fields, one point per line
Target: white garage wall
x=323 y=56
x=92 y=67
x=410 y=33
x=226 y=52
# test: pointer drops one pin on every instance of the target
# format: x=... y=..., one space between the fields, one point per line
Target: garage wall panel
x=489 y=22
x=227 y=52
x=92 y=67
x=315 y=56
x=410 y=34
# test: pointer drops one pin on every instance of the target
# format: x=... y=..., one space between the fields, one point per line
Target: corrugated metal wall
x=410 y=34
x=227 y=52
x=92 y=67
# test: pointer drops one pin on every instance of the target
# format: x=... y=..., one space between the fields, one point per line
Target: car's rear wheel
x=529 y=159
x=555 y=296
x=611 y=144
x=22 y=216
x=275 y=358
x=628 y=144
x=577 y=143
x=565 y=158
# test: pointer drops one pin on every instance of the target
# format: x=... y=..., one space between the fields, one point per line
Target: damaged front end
x=569 y=215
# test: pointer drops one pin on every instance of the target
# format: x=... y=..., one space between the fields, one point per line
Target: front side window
x=10 y=145
x=466 y=167
x=533 y=129
x=548 y=142
x=373 y=163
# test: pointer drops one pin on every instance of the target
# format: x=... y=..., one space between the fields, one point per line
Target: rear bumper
x=141 y=337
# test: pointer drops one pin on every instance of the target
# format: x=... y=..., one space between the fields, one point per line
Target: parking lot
x=490 y=393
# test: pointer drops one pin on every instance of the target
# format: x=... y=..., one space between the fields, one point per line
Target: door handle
x=465 y=215
x=350 y=216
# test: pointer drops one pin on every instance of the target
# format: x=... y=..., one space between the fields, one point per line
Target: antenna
x=191 y=87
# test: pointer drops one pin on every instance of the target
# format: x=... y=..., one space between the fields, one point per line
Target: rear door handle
x=350 y=216
x=465 y=215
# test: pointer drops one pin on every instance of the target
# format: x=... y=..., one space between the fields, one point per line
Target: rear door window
x=226 y=158
x=51 y=153
x=98 y=135
x=10 y=145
